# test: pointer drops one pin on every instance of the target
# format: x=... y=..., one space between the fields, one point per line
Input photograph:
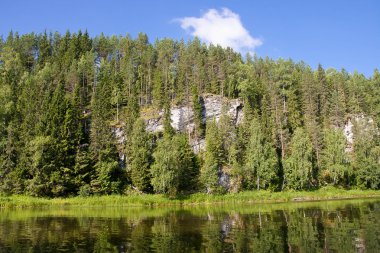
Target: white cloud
x=222 y=27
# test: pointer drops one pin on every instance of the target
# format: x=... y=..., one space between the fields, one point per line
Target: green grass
x=153 y=200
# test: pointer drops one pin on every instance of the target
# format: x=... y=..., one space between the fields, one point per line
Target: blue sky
x=335 y=33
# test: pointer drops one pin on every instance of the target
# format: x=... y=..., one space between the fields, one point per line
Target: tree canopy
x=64 y=98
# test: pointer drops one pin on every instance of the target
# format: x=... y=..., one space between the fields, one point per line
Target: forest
x=63 y=94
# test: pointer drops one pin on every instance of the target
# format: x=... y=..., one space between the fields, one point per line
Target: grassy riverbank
x=193 y=199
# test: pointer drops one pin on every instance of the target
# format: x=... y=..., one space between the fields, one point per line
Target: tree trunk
x=258 y=183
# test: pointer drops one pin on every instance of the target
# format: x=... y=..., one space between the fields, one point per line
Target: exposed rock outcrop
x=182 y=116
x=363 y=122
x=182 y=120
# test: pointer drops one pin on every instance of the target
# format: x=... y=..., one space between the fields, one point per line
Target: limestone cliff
x=182 y=116
x=363 y=123
x=182 y=119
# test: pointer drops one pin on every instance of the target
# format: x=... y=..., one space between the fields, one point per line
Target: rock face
x=182 y=116
x=214 y=106
x=182 y=119
x=119 y=135
x=364 y=124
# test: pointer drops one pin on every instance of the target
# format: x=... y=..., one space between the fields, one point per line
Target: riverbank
x=252 y=197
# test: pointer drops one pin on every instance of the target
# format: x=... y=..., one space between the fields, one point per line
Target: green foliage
x=173 y=168
x=335 y=163
x=288 y=198
x=41 y=152
x=198 y=113
x=168 y=129
x=187 y=163
x=366 y=160
x=140 y=156
x=213 y=159
x=69 y=104
x=106 y=181
x=298 y=166
x=261 y=165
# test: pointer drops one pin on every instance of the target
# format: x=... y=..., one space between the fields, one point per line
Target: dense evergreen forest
x=62 y=94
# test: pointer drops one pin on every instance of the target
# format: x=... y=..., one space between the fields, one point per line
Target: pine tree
x=373 y=97
x=63 y=96
x=101 y=114
x=41 y=152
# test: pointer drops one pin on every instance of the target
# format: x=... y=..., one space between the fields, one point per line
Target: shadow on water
x=332 y=226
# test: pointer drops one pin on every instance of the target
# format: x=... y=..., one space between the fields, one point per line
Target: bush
x=85 y=191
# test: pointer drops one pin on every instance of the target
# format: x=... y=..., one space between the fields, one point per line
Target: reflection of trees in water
x=348 y=229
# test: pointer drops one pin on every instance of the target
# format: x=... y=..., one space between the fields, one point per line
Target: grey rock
x=182 y=120
x=182 y=116
x=364 y=123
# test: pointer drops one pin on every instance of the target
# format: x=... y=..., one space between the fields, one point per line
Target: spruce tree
x=198 y=113
x=188 y=167
x=107 y=176
x=213 y=157
x=65 y=97
x=140 y=156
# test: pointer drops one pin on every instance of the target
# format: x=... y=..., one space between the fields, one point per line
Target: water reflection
x=344 y=226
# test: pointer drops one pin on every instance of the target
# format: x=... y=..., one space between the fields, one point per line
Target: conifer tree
x=310 y=109
x=337 y=102
x=213 y=157
x=198 y=113
x=168 y=128
x=140 y=156
x=64 y=99
x=107 y=176
x=323 y=96
x=187 y=164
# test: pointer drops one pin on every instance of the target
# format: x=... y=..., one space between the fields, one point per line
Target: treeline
x=62 y=96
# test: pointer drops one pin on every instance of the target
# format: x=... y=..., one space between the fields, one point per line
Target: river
x=327 y=226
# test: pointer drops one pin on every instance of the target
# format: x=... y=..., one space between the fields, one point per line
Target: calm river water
x=331 y=226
